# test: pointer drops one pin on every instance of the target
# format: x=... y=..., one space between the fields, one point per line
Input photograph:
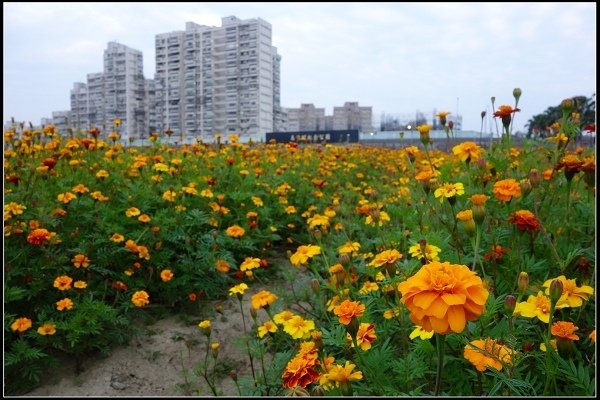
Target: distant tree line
x=538 y=124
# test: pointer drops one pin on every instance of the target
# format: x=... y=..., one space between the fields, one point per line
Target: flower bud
x=483 y=113
x=318 y=391
x=317 y=234
x=352 y=327
x=315 y=286
x=344 y=258
x=525 y=188
x=567 y=105
x=451 y=125
x=523 y=282
x=510 y=302
x=556 y=290
x=534 y=177
x=517 y=94
x=214 y=347
x=233 y=375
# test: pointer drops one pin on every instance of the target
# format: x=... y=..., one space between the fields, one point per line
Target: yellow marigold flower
x=487 y=353
x=420 y=333
x=282 y=317
x=564 y=330
x=467 y=151
x=379 y=218
x=79 y=284
x=290 y=210
x=298 y=328
x=144 y=218
x=161 y=167
x=257 y=201
x=265 y=328
x=552 y=343
x=235 y=231
x=250 y=263
x=442 y=297
x=64 y=304
x=66 y=197
x=264 y=298
x=132 y=212
x=21 y=324
x=537 y=306
x=80 y=260
x=301 y=256
x=431 y=252
x=339 y=375
x=386 y=257
x=166 y=275
x=506 y=189
x=347 y=310
x=318 y=220
x=449 y=190
x=478 y=199
x=349 y=247
x=14 y=208
x=206 y=193
x=102 y=174
x=391 y=313
x=47 y=329
x=424 y=129
x=143 y=252
x=169 y=195
x=140 y=298
x=81 y=189
x=63 y=282
x=364 y=337
x=572 y=295
x=206 y=325
x=238 y=289
x=369 y=287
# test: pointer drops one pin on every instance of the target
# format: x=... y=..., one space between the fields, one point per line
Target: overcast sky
x=396 y=57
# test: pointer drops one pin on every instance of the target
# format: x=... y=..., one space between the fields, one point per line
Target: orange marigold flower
x=347 y=310
x=571 y=163
x=442 y=297
x=235 y=231
x=80 y=260
x=66 y=197
x=40 y=236
x=140 y=298
x=525 y=221
x=63 y=282
x=572 y=295
x=250 y=263
x=21 y=324
x=364 y=337
x=505 y=111
x=264 y=298
x=222 y=266
x=300 y=370
x=478 y=199
x=47 y=329
x=169 y=195
x=506 y=189
x=64 y=304
x=144 y=218
x=564 y=330
x=117 y=238
x=166 y=275
x=592 y=336
x=487 y=353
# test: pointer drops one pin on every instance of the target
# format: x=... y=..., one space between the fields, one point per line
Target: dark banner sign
x=331 y=136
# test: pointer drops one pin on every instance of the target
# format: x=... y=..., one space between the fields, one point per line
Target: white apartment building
x=351 y=116
x=305 y=118
x=118 y=92
x=213 y=80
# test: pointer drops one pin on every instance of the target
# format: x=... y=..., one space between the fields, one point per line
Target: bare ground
x=154 y=363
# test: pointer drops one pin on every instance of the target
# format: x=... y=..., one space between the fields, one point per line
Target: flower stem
x=439 y=341
x=247 y=342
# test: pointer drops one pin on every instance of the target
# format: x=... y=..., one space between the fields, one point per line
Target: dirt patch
x=155 y=362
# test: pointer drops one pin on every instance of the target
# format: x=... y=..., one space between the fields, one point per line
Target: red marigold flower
x=505 y=111
x=525 y=221
x=300 y=370
x=39 y=236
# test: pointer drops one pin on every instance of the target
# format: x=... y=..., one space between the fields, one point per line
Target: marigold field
x=464 y=271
